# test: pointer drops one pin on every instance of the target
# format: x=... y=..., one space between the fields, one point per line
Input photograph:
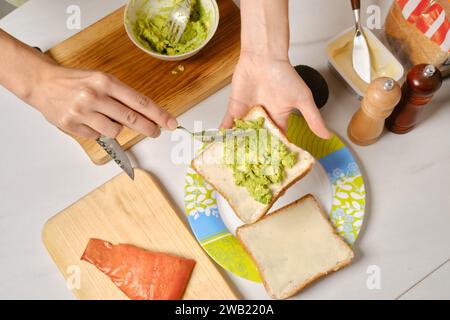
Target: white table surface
x=407 y=227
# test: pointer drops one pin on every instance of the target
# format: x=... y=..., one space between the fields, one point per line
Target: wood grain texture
x=105 y=46
x=133 y=212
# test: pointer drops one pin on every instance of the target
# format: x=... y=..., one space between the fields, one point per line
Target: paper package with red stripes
x=418 y=32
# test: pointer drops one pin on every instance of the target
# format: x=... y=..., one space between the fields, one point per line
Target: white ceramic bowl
x=152 y=7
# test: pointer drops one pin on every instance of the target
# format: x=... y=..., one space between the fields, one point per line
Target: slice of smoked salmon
x=140 y=274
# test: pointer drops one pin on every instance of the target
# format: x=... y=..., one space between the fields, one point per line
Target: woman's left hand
x=275 y=84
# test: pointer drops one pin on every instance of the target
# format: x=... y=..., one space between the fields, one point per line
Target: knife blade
x=361 y=53
x=361 y=57
x=115 y=151
x=212 y=135
x=216 y=134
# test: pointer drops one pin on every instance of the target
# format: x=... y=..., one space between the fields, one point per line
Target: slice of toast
x=294 y=246
x=220 y=176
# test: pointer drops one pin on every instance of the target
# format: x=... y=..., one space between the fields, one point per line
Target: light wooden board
x=133 y=212
x=105 y=46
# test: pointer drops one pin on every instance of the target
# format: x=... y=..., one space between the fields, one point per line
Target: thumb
x=235 y=110
x=281 y=119
x=311 y=113
x=227 y=121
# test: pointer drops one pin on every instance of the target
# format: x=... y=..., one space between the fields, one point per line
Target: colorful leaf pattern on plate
x=347 y=209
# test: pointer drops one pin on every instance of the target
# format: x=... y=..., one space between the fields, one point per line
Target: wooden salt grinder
x=367 y=123
x=422 y=82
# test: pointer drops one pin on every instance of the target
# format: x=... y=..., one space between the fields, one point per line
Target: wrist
x=265 y=28
x=264 y=57
x=18 y=77
x=40 y=71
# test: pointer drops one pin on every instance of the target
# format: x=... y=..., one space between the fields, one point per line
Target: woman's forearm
x=265 y=28
x=84 y=103
x=20 y=66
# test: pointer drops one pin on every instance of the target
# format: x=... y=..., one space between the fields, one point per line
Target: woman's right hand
x=83 y=103
x=90 y=103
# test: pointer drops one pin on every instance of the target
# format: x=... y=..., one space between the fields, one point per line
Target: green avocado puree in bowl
x=152 y=32
x=261 y=163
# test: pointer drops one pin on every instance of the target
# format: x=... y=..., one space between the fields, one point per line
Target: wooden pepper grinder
x=422 y=82
x=367 y=123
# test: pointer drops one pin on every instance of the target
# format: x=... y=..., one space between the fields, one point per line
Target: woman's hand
x=273 y=83
x=83 y=103
x=90 y=103
x=264 y=74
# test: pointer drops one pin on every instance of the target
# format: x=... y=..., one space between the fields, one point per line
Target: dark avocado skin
x=316 y=84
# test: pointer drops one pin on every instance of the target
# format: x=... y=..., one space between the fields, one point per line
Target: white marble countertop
x=406 y=232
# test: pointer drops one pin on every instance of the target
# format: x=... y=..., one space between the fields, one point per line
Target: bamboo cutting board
x=105 y=46
x=133 y=212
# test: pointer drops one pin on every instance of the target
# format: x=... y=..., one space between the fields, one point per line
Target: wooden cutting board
x=105 y=46
x=133 y=212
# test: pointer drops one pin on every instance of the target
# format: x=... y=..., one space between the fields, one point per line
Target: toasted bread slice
x=220 y=176
x=294 y=246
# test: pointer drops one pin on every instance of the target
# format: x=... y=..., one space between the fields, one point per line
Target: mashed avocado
x=152 y=31
x=258 y=160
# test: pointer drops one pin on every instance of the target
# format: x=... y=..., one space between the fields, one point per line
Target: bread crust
x=302 y=285
x=277 y=194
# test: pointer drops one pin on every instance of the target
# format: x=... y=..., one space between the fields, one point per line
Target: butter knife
x=212 y=135
x=115 y=151
x=361 y=53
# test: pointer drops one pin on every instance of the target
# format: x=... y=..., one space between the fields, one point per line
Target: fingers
x=76 y=128
x=140 y=103
x=227 y=121
x=85 y=132
x=235 y=110
x=281 y=119
x=103 y=124
x=130 y=118
x=312 y=116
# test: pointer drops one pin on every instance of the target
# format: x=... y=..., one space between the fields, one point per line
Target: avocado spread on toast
x=258 y=159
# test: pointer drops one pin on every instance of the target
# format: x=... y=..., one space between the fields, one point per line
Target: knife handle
x=356 y=4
